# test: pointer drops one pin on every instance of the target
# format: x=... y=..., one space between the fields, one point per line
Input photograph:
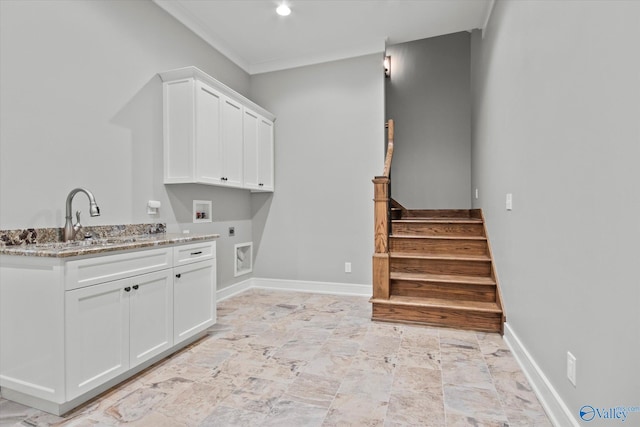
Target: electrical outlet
x=347 y=267
x=509 y=201
x=232 y=231
x=571 y=368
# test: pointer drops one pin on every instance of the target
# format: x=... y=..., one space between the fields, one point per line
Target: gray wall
x=81 y=105
x=329 y=145
x=428 y=96
x=556 y=122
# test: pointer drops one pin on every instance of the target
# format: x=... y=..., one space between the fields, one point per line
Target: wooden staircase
x=432 y=267
x=440 y=271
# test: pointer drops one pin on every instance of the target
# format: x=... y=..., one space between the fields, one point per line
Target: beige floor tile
x=455 y=420
x=356 y=410
x=312 y=390
x=294 y=413
x=473 y=402
x=415 y=408
x=299 y=359
x=256 y=394
x=224 y=416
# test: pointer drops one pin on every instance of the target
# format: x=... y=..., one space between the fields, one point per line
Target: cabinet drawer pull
x=135 y=286
x=178 y=275
x=127 y=289
x=196 y=253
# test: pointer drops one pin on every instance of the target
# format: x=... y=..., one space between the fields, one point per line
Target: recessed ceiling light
x=283 y=10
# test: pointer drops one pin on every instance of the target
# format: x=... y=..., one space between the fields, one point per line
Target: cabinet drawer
x=91 y=271
x=194 y=252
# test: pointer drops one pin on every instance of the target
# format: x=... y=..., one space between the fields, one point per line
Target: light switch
x=509 y=202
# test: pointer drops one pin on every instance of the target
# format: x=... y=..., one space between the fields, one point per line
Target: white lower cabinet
x=115 y=326
x=193 y=307
x=99 y=319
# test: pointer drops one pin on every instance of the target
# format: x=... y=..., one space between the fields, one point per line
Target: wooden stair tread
x=439 y=220
x=463 y=305
x=438 y=270
x=443 y=278
x=440 y=256
x=443 y=237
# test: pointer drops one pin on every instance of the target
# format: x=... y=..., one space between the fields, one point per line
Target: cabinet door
x=250 y=136
x=208 y=157
x=265 y=154
x=178 y=110
x=232 y=143
x=150 y=315
x=194 y=298
x=97 y=335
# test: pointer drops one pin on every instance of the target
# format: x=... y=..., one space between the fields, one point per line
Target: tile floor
x=297 y=359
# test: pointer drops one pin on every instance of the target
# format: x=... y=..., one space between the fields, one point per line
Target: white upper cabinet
x=208 y=140
x=232 y=146
x=258 y=152
x=213 y=135
x=265 y=154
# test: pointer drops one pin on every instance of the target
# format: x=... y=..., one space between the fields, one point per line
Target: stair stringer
x=494 y=273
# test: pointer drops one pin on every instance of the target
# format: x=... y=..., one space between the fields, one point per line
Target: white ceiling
x=252 y=35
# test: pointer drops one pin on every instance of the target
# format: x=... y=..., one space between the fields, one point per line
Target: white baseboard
x=554 y=406
x=331 y=288
x=235 y=289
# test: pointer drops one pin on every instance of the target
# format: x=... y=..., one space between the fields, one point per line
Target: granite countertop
x=97 y=246
x=108 y=239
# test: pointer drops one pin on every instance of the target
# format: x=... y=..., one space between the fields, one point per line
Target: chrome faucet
x=70 y=229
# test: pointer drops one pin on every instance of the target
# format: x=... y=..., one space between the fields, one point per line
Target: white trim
x=191 y=72
x=331 y=288
x=199 y=28
x=554 y=406
x=488 y=17
x=233 y=290
x=193 y=23
x=246 y=249
x=377 y=46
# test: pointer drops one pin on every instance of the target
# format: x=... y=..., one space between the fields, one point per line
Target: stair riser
x=437 y=266
x=453 y=291
x=439 y=246
x=451 y=318
x=438 y=213
x=435 y=229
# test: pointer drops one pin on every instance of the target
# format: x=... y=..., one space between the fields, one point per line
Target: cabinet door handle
x=127 y=289
x=135 y=287
x=196 y=253
x=261 y=184
x=178 y=275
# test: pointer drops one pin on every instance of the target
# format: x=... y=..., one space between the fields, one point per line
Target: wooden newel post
x=381 y=237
